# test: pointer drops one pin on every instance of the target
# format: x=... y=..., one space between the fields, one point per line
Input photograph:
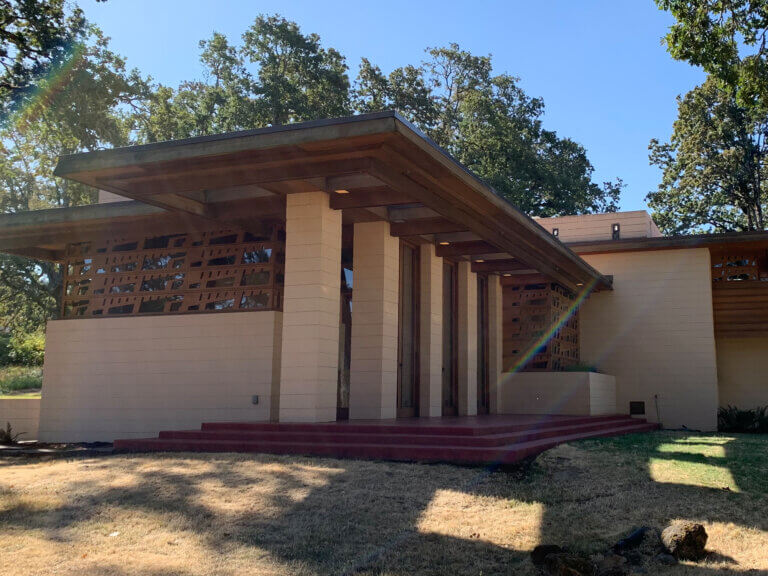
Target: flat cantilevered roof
x=387 y=168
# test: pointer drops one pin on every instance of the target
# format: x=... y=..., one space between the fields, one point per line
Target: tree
x=728 y=39
x=277 y=76
x=298 y=79
x=86 y=102
x=35 y=35
x=714 y=167
x=494 y=128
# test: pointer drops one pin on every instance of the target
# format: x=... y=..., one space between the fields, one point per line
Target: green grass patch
x=736 y=462
x=15 y=378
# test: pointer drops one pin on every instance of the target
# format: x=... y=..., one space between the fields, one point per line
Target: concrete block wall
x=431 y=332
x=309 y=368
x=23 y=414
x=742 y=371
x=564 y=393
x=593 y=227
x=373 y=367
x=655 y=333
x=108 y=378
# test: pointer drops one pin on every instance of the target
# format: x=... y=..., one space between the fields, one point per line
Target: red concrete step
x=425 y=453
x=342 y=436
x=436 y=426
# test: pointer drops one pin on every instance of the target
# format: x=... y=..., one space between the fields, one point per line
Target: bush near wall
x=733 y=419
x=22 y=349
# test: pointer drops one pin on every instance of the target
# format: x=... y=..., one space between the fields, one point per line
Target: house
x=351 y=269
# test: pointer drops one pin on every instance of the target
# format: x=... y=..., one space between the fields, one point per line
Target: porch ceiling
x=375 y=166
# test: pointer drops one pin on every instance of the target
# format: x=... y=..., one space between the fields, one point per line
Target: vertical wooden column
x=373 y=370
x=495 y=342
x=309 y=360
x=467 y=339
x=431 y=333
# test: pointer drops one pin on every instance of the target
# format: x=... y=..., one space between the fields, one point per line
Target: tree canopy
x=714 y=167
x=85 y=101
x=35 y=35
x=728 y=39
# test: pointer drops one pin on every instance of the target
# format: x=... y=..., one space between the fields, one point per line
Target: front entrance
x=450 y=330
x=482 y=345
x=345 y=345
x=408 y=322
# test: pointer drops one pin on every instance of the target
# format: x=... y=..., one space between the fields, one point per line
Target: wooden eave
x=714 y=242
x=383 y=166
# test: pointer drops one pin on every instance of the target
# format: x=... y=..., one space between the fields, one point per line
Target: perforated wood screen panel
x=226 y=270
x=541 y=328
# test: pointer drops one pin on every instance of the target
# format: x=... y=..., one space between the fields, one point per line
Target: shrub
x=27 y=349
x=733 y=419
x=5 y=349
x=8 y=436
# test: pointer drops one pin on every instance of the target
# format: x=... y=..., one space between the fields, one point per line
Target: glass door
x=408 y=349
x=482 y=345
x=450 y=302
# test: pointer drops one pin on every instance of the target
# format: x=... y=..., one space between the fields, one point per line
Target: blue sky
x=606 y=80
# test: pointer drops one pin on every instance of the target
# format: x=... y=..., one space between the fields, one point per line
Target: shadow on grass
x=364 y=518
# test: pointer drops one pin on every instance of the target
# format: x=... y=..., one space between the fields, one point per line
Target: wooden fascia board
x=219 y=145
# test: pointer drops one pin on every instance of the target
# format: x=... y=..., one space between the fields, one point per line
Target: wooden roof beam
x=471 y=248
x=424 y=226
x=500 y=265
x=368 y=198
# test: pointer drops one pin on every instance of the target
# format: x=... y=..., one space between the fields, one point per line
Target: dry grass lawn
x=184 y=514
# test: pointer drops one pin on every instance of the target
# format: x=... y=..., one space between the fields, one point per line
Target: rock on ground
x=540 y=553
x=685 y=540
x=565 y=564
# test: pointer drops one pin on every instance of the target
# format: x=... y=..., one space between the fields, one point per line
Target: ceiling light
x=342 y=191
x=507 y=275
x=444 y=243
x=579 y=283
x=479 y=260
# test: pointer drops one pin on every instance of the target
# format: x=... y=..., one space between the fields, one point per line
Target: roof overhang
x=388 y=169
x=714 y=242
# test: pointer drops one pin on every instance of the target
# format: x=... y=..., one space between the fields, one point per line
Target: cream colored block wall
x=593 y=227
x=654 y=332
x=560 y=393
x=431 y=332
x=23 y=414
x=105 y=197
x=495 y=342
x=311 y=300
x=373 y=367
x=742 y=371
x=467 y=339
x=109 y=378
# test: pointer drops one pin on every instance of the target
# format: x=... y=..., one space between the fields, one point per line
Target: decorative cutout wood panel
x=226 y=270
x=536 y=314
x=738 y=267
